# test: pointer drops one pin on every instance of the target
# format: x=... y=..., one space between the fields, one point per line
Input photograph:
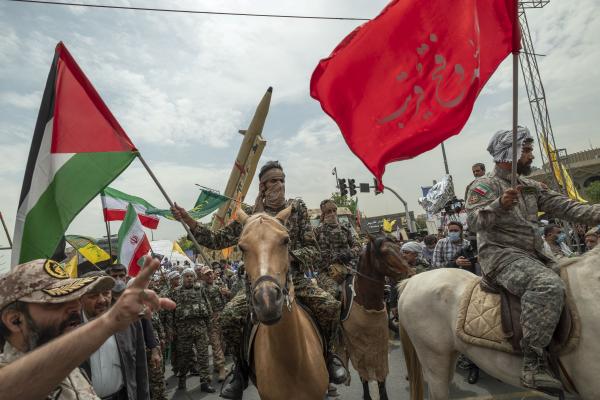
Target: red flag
x=402 y=83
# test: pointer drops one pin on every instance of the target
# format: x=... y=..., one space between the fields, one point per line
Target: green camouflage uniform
x=156 y=376
x=190 y=322
x=334 y=240
x=511 y=251
x=305 y=254
x=422 y=265
x=237 y=284
x=217 y=302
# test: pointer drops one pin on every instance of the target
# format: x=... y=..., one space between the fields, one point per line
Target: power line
x=57 y=3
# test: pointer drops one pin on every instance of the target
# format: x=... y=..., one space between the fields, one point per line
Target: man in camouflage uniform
x=338 y=249
x=217 y=294
x=238 y=280
x=189 y=321
x=511 y=251
x=156 y=373
x=304 y=255
x=173 y=279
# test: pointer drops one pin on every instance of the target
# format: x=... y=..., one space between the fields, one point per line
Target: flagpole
x=6 y=231
x=515 y=116
x=107 y=223
x=187 y=229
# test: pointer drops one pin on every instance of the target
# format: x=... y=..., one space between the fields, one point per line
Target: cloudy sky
x=182 y=85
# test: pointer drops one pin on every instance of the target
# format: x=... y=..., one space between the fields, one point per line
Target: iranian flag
x=133 y=242
x=114 y=205
x=78 y=148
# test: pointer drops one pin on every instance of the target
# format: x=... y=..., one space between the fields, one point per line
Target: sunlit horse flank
x=365 y=332
x=288 y=353
x=428 y=308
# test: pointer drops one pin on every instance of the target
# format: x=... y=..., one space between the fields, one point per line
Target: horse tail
x=413 y=366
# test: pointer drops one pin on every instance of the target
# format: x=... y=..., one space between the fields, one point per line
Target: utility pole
x=445 y=159
x=409 y=222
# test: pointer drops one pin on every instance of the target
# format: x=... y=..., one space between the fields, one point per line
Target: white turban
x=413 y=247
x=173 y=275
x=500 y=146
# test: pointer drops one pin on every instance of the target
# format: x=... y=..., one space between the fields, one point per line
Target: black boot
x=235 y=388
x=207 y=387
x=473 y=375
x=335 y=367
x=182 y=382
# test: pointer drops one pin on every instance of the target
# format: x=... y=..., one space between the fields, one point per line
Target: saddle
x=347 y=296
x=249 y=334
x=489 y=316
x=510 y=317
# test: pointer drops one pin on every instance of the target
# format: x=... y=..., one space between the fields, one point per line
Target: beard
x=523 y=169
x=40 y=335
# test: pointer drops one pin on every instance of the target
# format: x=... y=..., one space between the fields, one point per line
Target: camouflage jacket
x=158 y=327
x=216 y=299
x=333 y=241
x=237 y=284
x=75 y=386
x=506 y=235
x=303 y=245
x=422 y=265
x=192 y=305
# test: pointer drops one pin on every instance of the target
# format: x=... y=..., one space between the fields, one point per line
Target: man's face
x=118 y=274
x=454 y=228
x=188 y=280
x=410 y=257
x=45 y=322
x=95 y=304
x=553 y=235
x=174 y=282
x=274 y=181
x=524 y=163
x=591 y=241
x=209 y=277
x=478 y=171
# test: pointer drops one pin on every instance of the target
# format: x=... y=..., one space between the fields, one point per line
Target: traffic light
x=352 y=187
x=343 y=187
x=377 y=191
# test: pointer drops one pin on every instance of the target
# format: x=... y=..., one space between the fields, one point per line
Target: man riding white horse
x=511 y=252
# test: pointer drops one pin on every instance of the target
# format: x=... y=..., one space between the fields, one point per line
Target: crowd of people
x=114 y=333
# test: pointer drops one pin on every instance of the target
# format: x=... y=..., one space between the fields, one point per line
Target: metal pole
x=108 y=235
x=445 y=159
x=166 y=196
x=6 y=231
x=334 y=172
x=408 y=220
x=513 y=180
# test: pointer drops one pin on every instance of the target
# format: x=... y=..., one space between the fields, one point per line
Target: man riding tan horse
x=511 y=252
x=304 y=255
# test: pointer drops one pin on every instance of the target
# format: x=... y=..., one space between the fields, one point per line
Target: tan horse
x=366 y=332
x=428 y=308
x=288 y=353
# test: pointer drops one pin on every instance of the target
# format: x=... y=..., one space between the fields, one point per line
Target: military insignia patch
x=70 y=287
x=55 y=270
x=482 y=189
x=474 y=199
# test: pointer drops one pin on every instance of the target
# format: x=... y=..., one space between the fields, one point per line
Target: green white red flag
x=133 y=242
x=78 y=148
x=114 y=207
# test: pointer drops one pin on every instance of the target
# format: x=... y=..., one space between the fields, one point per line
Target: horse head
x=385 y=257
x=264 y=244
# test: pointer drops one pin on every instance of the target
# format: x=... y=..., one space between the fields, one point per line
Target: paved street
x=487 y=388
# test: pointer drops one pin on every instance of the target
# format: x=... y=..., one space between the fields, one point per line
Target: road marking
x=505 y=396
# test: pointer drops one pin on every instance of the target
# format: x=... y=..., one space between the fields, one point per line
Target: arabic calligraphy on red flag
x=405 y=81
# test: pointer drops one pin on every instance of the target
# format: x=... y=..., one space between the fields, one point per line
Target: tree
x=345 y=201
x=593 y=192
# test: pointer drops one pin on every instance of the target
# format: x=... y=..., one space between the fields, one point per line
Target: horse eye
x=242 y=248
x=286 y=240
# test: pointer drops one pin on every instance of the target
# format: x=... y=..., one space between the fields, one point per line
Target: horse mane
x=264 y=217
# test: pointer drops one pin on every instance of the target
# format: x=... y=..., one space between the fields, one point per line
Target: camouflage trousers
x=216 y=339
x=328 y=284
x=192 y=333
x=324 y=306
x=542 y=294
x=156 y=379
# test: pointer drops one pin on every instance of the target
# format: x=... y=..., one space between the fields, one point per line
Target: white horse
x=428 y=308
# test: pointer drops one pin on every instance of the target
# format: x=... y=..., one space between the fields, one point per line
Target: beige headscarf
x=274 y=197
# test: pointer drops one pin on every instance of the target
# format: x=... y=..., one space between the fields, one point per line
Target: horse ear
x=242 y=217
x=370 y=237
x=284 y=214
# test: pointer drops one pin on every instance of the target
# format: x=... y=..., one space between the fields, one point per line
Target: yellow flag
x=93 y=253
x=560 y=171
x=71 y=266
x=388 y=225
x=227 y=252
x=177 y=248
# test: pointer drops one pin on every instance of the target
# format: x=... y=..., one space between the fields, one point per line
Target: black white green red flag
x=78 y=148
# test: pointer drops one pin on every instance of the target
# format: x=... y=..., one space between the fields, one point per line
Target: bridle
x=378 y=243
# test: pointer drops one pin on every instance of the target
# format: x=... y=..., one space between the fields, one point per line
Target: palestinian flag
x=114 y=206
x=133 y=242
x=78 y=148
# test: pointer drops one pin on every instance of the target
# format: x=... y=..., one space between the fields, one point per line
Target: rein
x=378 y=243
x=285 y=290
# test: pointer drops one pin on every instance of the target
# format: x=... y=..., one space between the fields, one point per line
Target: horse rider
x=511 y=252
x=339 y=249
x=304 y=253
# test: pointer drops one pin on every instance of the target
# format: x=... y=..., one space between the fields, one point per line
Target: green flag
x=207 y=202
